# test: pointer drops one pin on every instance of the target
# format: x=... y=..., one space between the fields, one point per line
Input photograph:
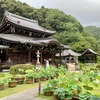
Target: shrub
x=98 y=66
x=23 y=67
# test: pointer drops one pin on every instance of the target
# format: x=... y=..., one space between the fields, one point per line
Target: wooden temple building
x=69 y=57
x=89 y=56
x=22 y=40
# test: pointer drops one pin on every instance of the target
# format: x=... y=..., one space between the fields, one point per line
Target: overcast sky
x=86 y=11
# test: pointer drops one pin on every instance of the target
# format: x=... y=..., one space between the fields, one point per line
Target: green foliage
x=29 y=72
x=61 y=92
x=81 y=65
x=98 y=66
x=36 y=74
x=15 y=69
x=85 y=96
x=69 y=38
x=2 y=75
x=3 y=81
x=16 y=7
x=48 y=88
x=95 y=32
x=10 y=80
x=81 y=46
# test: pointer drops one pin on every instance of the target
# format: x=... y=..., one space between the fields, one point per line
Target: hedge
x=20 y=68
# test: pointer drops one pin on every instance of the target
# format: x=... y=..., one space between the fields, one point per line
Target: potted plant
x=43 y=74
x=29 y=75
x=62 y=94
x=29 y=79
x=2 y=84
x=51 y=72
x=11 y=83
x=19 y=79
x=48 y=90
x=36 y=76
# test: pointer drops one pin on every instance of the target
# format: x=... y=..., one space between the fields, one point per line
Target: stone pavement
x=25 y=95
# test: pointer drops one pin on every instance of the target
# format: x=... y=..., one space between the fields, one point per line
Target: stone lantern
x=38 y=56
x=38 y=62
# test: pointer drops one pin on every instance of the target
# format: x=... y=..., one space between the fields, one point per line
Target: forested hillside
x=69 y=30
x=95 y=31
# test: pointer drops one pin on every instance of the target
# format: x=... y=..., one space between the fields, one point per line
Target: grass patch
x=2 y=75
x=19 y=88
x=46 y=97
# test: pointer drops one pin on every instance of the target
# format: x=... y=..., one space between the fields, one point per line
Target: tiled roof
x=26 y=23
x=90 y=50
x=68 y=52
x=30 y=40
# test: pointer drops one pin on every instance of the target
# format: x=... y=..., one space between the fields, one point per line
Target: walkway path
x=25 y=95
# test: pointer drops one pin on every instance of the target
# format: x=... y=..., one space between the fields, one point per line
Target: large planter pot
x=36 y=80
x=50 y=93
x=1 y=86
x=29 y=80
x=43 y=79
x=70 y=98
x=75 y=98
x=57 y=97
x=20 y=80
x=12 y=84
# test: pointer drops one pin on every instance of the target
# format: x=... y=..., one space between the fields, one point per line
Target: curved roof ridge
x=90 y=51
x=17 y=16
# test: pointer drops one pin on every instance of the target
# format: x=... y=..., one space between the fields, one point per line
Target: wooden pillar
x=41 y=57
x=52 y=58
x=95 y=58
x=29 y=56
x=60 y=57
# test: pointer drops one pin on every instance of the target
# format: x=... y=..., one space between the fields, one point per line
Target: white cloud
x=86 y=11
